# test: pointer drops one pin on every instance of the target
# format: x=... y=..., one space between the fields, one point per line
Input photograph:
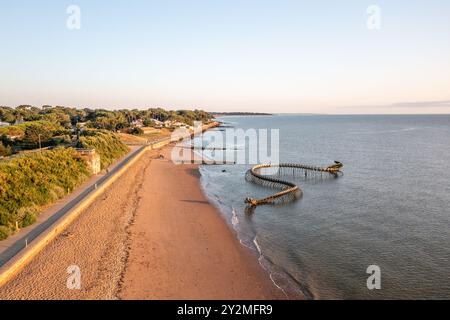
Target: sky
x=247 y=55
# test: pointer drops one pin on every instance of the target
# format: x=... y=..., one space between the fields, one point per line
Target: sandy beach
x=152 y=235
x=180 y=247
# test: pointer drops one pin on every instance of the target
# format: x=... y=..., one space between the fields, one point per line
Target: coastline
x=152 y=235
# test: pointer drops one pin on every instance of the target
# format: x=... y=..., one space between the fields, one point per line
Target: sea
x=389 y=211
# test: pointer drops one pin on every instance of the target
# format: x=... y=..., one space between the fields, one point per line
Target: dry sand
x=152 y=235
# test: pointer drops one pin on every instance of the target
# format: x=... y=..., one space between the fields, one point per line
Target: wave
x=234 y=219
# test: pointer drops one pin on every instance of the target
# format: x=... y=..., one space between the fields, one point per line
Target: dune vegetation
x=33 y=180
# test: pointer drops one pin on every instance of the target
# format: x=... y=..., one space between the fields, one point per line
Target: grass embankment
x=157 y=134
x=33 y=180
x=149 y=135
x=129 y=138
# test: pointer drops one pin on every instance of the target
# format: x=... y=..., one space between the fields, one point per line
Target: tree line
x=28 y=127
x=112 y=120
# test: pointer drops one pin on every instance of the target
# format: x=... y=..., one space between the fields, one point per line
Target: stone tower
x=92 y=158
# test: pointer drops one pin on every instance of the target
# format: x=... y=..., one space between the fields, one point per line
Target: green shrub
x=134 y=131
x=5 y=151
x=4 y=232
x=27 y=216
x=37 y=179
x=107 y=144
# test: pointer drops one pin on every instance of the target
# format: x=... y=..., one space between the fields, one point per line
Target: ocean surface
x=391 y=208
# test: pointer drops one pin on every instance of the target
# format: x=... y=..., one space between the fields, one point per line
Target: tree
x=58 y=118
x=148 y=122
x=137 y=131
x=35 y=133
x=7 y=114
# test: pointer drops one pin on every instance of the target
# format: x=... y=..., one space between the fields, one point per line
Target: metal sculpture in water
x=290 y=191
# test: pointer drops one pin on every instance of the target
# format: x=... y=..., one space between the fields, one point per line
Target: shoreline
x=195 y=254
x=282 y=280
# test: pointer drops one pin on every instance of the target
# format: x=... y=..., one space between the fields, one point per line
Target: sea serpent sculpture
x=289 y=190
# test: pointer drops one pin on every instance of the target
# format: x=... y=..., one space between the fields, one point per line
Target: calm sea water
x=391 y=208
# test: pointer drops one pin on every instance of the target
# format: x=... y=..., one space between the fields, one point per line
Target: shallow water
x=391 y=207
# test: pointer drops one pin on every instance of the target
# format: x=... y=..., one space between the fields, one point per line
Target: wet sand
x=152 y=235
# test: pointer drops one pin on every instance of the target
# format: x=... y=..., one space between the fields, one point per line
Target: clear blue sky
x=252 y=55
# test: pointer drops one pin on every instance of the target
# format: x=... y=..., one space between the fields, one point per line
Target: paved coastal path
x=15 y=243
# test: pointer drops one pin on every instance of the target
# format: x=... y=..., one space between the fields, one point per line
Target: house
x=158 y=124
x=4 y=124
x=81 y=126
x=137 y=123
x=171 y=123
